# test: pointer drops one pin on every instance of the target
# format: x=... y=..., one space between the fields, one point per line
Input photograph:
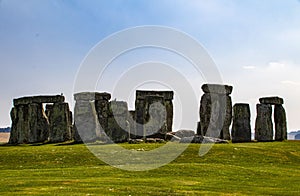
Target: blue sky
x=255 y=44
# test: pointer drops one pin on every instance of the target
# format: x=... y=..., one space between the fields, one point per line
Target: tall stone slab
x=241 y=129
x=91 y=116
x=102 y=107
x=156 y=117
x=280 y=123
x=85 y=121
x=215 y=111
x=38 y=123
x=263 y=123
x=60 y=122
x=118 y=128
x=20 y=125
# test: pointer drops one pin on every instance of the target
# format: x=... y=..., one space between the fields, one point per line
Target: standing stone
x=60 y=124
x=38 y=123
x=102 y=107
x=118 y=124
x=280 y=123
x=263 y=123
x=132 y=120
x=156 y=117
x=86 y=122
x=215 y=111
x=14 y=132
x=241 y=129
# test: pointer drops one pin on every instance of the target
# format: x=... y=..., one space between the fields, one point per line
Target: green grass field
x=227 y=169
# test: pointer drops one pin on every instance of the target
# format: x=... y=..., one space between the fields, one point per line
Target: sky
x=255 y=45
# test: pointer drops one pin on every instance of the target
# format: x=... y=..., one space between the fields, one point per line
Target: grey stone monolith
x=241 y=129
x=280 y=123
x=263 y=123
x=215 y=111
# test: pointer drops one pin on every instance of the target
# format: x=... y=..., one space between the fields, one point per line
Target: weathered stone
x=271 y=100
x=29 y=124
x=199 y=130
x=91 y=96
x=135 y=141
x=102 y=107
x=215 y=115
x=159 y=125
x=217 y=88
x=184 y=133
x=39 y=99
x=131 y=120
x=118 y=124
x=13 y=137
x=86 y=122
x=38 y=123
x=241 y=129
x=155 y=117
x=172 y=137
x=60 y=124
x=167 y=95
x=263 y=123
x=280 y=123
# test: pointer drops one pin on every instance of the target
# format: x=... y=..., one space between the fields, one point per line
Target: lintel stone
x=39 y=99
x=217 y=89
x=271 y=100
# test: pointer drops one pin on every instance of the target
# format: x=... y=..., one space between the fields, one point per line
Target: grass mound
x=227 y=169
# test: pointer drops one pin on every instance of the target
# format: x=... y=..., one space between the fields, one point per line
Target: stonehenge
x=39 y=119
x=264 y=124
x=98 y=118
x=215 y=111
x=30 y=123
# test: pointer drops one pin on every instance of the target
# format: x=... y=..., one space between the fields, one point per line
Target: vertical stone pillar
x=140 y=115
x=118 y=124
x=156 y=117
x=102 y=107
x=86 y=124
x=215 y=111
x=280 y=123
x=263 y=123
x=60 y=124
x=132 y=121
x=241 y=129
x=38 y=123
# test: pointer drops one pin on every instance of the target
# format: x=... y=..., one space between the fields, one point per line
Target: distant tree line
x=5 y=130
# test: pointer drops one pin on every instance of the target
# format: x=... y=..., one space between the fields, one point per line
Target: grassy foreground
x=227 y=169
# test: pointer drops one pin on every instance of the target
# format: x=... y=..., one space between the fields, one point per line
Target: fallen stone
x=135 y=141
x=217 y=88
x=271 y=100
x=172 y=137
x=185 y=133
